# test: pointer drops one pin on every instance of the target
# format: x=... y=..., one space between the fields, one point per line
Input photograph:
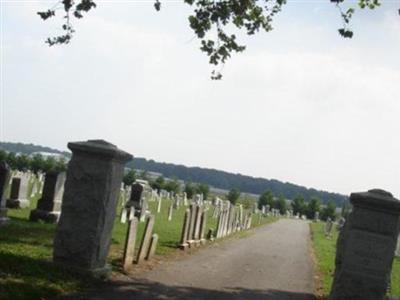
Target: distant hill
x=212 y=177
x=226 y=180
x=29 y=148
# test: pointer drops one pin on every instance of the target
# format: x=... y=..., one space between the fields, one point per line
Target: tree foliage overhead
x=212 y=21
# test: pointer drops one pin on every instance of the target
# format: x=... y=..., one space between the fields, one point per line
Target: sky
x=300 y=105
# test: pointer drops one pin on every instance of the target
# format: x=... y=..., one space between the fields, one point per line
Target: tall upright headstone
x=4 y=179
x=49 y=205
x=89 y=205
x=19 y=193
x=136 y=196
x=366 y=246
x=185 y=229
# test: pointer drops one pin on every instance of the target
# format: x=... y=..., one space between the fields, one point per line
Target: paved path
x=271 y=264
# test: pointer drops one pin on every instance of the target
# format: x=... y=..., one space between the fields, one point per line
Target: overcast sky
x=301 y=105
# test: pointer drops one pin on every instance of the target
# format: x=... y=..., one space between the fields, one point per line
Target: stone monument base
x=98 y=273
x=46 y=216
x=18 y=203
x=184 y=246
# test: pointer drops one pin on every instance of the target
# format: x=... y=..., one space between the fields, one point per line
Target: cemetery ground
x=325 y=252
x=26 y=250
x=273 y=263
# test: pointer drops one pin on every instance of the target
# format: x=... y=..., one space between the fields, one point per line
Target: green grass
x=325 y=252
x=26 y=248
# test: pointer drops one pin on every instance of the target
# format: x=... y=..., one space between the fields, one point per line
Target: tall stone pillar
x=89 y=205
x=366 y=246
x=49 y=205
x=4 y=179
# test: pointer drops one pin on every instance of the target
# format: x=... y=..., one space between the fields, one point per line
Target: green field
x=325 y=251
x=26 y=249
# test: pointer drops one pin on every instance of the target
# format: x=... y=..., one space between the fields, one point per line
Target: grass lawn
x=26 y=249
x=325 y=251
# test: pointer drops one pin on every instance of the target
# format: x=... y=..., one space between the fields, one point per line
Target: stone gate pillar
x=366 y=246
x=89 y=205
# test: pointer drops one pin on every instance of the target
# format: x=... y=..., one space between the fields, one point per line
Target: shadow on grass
x=25 y=232
x=146 y=290
x=23 y=277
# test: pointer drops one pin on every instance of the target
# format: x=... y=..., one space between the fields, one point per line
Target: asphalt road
x=272 y=263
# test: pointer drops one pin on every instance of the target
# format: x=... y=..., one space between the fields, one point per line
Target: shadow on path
x=146 y=290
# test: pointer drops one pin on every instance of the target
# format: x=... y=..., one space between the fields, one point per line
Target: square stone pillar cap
x=100 y=148
x=376 y=199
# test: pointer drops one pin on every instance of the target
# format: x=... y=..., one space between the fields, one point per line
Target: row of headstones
x=148 y=242
x=19 y=184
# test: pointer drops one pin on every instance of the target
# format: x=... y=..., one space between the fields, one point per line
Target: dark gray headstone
x=366 y=246
x=89 y=205
x=19 y=193
x=4 y=179
x=49 y=206
x=136 y=196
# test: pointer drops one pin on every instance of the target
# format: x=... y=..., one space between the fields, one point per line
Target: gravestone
x=49 y=205
x=316 y=216
x=89 y=205
x=4 y=179
x=19 y=193
x=136 y=196
x=170 y=210
x=191 y=224
x=366 y=246
x=130 y=241
x=159 y=204
x=203 y=227
x=328 y=227
x=185 y=230
x=146 y=239
x=152 y=247
x=124 y=214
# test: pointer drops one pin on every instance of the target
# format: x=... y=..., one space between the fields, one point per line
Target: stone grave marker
x=152 y=247
x=5 y=175
x=49 y=205
x=124 y=214
x=185 y=230
x=130 y=241
x=145 y=243
x=89 y=204
x=366 y=246
x=19 y=193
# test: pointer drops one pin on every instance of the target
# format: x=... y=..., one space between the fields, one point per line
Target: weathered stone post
x=170 y=210
x=4 y=178
x=185 y=229
x=130 y=242
x=49 y=206
x=191 y=224
x=89 y=206
x=366 y=247
x=145 y=243
x=196 y=235
x=152 y=247
x=203 y=227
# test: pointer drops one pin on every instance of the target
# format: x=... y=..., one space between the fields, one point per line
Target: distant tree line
x=29 y=148
x=208 y=177
x=35 y=163
x=246 y=184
